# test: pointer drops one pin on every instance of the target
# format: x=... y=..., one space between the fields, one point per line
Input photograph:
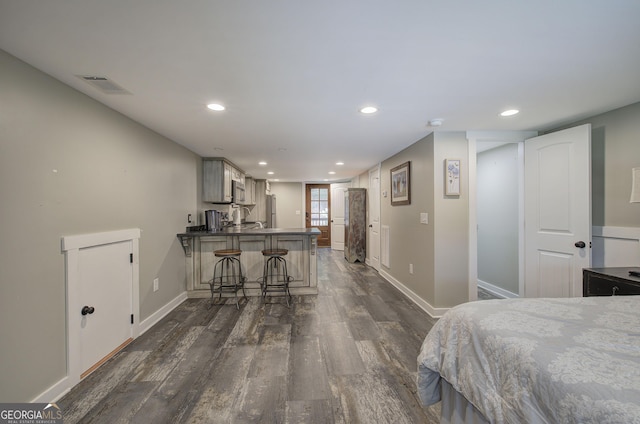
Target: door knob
x=87 y=310
x=370 y=225
x=580 y=244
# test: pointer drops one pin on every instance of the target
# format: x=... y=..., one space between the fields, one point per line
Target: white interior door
x=374 y=218
x=557 y=212
x=337 y=215
x=106 y=277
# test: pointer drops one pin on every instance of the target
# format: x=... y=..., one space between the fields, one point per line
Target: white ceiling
x=293 y=73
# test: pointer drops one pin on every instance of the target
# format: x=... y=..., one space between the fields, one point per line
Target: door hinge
x=131 y=318
x=131 y=258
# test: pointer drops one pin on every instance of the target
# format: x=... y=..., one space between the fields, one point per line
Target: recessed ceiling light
x=339 y=163
x=332 y=172
x=326 y=179
x=276 y=179
x=509 y=112
x=369 y=109
x=215 y=106
x=262 y=163
x=270 y=173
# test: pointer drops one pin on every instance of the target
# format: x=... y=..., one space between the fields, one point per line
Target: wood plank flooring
x=345 y=355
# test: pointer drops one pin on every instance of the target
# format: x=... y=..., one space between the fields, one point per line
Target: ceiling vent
x=103 y=84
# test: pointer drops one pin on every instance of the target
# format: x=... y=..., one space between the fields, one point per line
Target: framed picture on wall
x=401 y=184
x=452 y=177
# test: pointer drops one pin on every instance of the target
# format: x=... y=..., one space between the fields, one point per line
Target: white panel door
x=374 y=218
x=106 y=279
x=337 y=215
x=557 y=212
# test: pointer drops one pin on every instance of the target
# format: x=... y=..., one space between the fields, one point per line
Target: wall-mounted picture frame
x=452 y=177
x=401 y=184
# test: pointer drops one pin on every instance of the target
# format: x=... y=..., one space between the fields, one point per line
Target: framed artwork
x=452 y=177
x=401 y=184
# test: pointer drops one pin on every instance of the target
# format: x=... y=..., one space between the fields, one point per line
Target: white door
x=374 y=218
x=337 y=215
x=106 y=279
x=557 y=212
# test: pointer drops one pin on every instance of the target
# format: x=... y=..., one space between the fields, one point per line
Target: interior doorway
x=483 y=232
x=499 y=217
x=337 y=215
x=318 y=211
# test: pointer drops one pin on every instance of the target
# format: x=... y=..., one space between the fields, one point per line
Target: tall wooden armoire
x=355 y=224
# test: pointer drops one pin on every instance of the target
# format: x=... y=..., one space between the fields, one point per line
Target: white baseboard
x=63 y=386
x=420 y=302
x=497 y=291
x=54 y=393
x=161 y=313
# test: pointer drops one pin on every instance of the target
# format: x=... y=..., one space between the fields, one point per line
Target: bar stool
x=227 y=274
x=275 y=277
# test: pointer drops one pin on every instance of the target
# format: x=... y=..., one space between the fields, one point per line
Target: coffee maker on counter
x=214 y=220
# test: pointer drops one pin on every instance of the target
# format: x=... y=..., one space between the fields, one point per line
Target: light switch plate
x=424 y=218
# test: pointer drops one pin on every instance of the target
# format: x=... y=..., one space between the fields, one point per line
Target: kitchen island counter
x=301 y=259
x=252 y=231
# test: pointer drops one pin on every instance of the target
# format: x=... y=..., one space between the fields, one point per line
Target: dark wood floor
x=346 y=355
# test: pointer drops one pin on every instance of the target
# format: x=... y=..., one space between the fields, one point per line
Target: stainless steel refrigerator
x=271 y=211
x=355 y=224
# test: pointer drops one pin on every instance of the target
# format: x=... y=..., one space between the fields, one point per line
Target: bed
x=573 y=360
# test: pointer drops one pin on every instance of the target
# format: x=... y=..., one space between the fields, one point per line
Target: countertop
x=240 y=231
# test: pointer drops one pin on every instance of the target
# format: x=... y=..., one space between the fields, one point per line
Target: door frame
x=71 y=246
x=307 y=211
x=473 y=137
x=371 y=207
x=343 y=186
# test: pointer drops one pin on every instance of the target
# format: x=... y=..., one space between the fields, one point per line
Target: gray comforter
x=539 y=360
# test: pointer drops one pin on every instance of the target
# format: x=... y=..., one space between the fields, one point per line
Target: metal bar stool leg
x=226 y=277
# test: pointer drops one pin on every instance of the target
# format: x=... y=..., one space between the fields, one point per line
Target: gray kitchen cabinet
x=217 y=177
x=261 y=200
x=250 y=191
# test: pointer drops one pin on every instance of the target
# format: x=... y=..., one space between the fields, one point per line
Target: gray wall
x=497 y=214
x=615 y=149
x=110 y=173
x=451 y=222
x=409 y=241
x=289 y=199
x=438 y=251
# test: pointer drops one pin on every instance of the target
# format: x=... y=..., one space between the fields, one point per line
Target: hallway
x=346 y=355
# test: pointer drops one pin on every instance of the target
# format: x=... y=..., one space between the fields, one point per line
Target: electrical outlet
x=156 y=283
x=411 y=269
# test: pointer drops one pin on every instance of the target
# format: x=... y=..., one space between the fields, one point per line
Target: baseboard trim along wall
x=497 y=291
x=420 y=302
x=161 y=313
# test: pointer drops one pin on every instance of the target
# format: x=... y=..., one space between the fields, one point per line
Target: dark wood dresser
x=610 y=282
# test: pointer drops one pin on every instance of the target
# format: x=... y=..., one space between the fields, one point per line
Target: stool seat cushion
x=275 y=252
x=227 y=252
